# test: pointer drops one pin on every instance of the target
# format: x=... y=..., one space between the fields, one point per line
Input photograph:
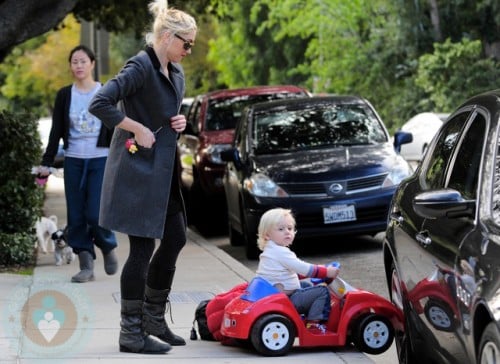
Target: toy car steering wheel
x=317 y=281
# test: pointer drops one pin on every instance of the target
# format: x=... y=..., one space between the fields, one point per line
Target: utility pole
x=98 y=40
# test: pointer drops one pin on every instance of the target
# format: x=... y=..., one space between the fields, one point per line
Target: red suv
x=211 y=119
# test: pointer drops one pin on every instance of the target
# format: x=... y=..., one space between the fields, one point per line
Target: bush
x=455 y=72
x=22 y=200
x=16 y=249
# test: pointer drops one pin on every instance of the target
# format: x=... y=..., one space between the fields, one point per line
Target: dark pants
x=82 y=187
x=313 y=302
x=157 y=272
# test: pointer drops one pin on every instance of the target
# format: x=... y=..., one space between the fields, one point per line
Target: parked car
x=329 y=159
x=423 y=127
x=186 y=103
x=211 y=121
x=44 y=126
x=442 y=245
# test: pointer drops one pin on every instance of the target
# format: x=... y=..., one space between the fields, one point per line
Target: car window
x=442 y=151
x=496 y=185
x=465 y=172
x=315 y=126
x=223 y=114
x=194 y=115
x=241 y=138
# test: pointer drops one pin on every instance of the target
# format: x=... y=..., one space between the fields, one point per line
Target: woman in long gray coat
x=141 y=193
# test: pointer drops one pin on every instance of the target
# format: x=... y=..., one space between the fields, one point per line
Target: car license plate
x=339 y=213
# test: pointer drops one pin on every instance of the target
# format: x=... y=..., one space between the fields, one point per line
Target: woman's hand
x=144 y=137
x=178 y=123
x=43 y=171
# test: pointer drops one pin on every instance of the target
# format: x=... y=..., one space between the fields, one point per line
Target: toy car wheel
x=374 y=334
x=272 y=335
x=439 y=315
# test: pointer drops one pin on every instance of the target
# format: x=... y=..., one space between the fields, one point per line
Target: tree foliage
x=426 y=22
x=26 y=19
x=38 y=68
x=33 y=71
x=454 y=72
x=329 y=46
x=367 y=47
x=374 y=48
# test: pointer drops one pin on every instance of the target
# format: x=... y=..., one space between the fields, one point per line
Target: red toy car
x=268 y=320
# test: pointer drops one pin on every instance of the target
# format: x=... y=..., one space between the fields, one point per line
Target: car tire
x=193 y=204
x=272 y=335
x=235 y=238
x=373 y=334
x=404 y=346
x=198 y=203
x=251 y=249
x=489 y=346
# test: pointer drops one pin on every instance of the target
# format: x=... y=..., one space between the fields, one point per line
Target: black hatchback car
x=442 y=245
x=328 y=159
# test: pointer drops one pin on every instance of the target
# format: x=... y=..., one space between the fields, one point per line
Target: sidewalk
x=79 y=323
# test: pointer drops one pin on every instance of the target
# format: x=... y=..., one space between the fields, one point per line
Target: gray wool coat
x=136 y=187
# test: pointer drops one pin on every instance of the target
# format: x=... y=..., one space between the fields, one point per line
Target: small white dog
x=63 y=252
x=45 y=227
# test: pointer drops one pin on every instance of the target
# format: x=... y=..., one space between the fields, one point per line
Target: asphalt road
x=361 y=265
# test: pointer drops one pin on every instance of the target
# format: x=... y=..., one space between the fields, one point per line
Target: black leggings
x=158 y=274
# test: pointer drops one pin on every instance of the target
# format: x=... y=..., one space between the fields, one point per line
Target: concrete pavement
x=45 y=318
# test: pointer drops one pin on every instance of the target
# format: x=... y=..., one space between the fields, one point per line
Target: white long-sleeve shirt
x=279 y=265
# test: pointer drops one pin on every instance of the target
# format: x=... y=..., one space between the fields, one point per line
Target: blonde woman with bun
x=141 y=192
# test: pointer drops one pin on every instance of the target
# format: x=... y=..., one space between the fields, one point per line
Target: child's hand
x=332 y=272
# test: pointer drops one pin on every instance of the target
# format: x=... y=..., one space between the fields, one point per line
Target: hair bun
x=157 y=7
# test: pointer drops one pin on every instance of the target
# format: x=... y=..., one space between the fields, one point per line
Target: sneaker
x=316 y=327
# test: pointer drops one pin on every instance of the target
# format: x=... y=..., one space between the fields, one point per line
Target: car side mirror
x=400 y=138
x=232 y=155
x=443 y=203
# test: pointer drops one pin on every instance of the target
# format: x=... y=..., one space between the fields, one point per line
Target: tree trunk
x=435 y=20
x=492 y=49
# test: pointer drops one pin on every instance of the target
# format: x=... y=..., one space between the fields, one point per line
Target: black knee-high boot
x=153 y=319
x=132 y=337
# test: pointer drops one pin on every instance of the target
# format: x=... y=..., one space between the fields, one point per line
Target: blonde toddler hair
x=269 y=220
x=168 y=20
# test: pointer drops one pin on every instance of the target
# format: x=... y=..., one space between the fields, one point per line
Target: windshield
x=224 y=113
x=315 y=126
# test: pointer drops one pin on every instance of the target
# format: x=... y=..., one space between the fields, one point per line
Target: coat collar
x=176 y=74
x=172 y=67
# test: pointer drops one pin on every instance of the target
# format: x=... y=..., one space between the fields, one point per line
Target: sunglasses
x=187 y=44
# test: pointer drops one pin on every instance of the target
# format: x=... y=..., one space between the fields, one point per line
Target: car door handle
x=396 y=217
x=423 y=239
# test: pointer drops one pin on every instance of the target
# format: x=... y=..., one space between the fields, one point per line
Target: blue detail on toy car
x=257 y=289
